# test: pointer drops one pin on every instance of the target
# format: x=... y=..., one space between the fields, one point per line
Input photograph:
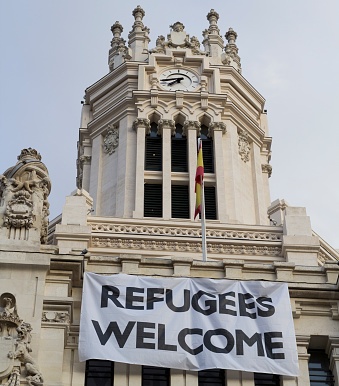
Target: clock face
x=179 y=79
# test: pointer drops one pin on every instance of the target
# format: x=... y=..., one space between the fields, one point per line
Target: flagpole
x=203 y=223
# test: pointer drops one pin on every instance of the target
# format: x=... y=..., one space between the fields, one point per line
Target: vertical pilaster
x=167 y=127
x=142 y=127
x=260 y=203
x=332 y=351
x=216 y=130
x=192 y=130
x=303 y=357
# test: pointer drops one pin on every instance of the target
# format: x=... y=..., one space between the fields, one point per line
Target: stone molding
x=111 y=139
x=142 y=229
x=184 y=246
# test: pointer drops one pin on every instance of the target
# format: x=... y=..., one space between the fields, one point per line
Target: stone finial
x=177 y=26
x=231 y=36
x=213 y=18
x=117 y=29
x=29 y=153
x=138 y=13
x=231 y=57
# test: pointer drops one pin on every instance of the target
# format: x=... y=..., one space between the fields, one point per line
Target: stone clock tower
x=140 y=124
x=133 y=213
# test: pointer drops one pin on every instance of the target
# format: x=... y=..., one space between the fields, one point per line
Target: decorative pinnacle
x=29 y=153
x=138 y=13
x=231 y=36
x=213 y=16
x=117 y=29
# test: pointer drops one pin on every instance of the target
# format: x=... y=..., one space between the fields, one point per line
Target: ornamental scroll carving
x=267 y=168
x=15 y=339
x=111 y=140
x=24 y=191
x=244 y=146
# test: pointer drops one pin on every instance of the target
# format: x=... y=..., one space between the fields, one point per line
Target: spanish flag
x=199 y=176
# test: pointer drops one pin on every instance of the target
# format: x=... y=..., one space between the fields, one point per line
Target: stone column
x=142 y=127
x=192 y=131
x=332 y=351
x=216 y=130
x=166 y=127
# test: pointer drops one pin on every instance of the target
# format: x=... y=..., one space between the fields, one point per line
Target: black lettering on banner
x=182 y=342
x=130 y=298
x=211 y=304
x=270 y=307
x=161 y=340
x=243 y=306
x=112 y=293
x=142 y=334
x=270 y=346
x=169 y=301
x=241 y=337
x=151 y=299
x=223 y=303
x=219 y=331
x=113 y=327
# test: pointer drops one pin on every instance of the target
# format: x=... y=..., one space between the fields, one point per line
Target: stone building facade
x=133 y=212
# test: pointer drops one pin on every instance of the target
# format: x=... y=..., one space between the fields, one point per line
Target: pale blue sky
x=52 y=50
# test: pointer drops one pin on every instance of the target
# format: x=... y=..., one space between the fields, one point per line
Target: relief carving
x=15 y=339
x=24 y=191
x=244 y=146
x=111 y=140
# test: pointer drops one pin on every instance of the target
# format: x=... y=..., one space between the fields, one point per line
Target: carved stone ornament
x=15 y=339
x=142 y=122
x=216 y=126
x=111 y=140
x=244 y=146
x=24 y=191
x=167 y=124
x=267 y=168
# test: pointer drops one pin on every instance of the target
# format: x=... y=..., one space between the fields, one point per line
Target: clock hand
x=169 y=79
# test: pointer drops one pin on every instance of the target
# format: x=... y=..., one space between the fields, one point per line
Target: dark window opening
x=152 y=200
x=153 y=150
x=210 y=203
x=266 y=379
x=155 y=376
x=207 y=150
x=319 y=369
x=99 y=373
x=211 y=377
x=180 y=201
x=179 y=150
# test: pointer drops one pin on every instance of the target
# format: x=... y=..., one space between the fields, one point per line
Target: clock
x=179 y=79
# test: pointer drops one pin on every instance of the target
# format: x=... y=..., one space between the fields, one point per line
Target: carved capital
x=166 y=124
x=142 y=122
x=216 y=126
x=244 y=146
x=111 y=140
x=85 y=159
x=192 y=125
x=267 y=168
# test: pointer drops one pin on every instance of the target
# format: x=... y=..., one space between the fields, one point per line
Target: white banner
x=188 y=323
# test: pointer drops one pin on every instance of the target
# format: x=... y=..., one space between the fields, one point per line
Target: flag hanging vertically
x=199 y=176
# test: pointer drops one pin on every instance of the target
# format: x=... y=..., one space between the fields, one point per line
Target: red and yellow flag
x=199 y=176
